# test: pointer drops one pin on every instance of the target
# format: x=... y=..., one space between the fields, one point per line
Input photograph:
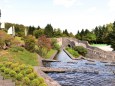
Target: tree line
x=104 y=34
x=100 y=35
x=49 y=31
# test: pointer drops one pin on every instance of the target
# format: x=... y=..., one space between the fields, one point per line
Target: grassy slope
x=73 y=52
x=50 y=53
x=96 y=45
x=20 y=56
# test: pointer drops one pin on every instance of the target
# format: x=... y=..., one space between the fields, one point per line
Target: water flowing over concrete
x=86 y=72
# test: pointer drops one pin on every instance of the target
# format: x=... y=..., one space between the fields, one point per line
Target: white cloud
x=111 y=5
x=65 y=3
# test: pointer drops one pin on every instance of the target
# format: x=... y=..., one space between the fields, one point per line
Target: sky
x=72 y=15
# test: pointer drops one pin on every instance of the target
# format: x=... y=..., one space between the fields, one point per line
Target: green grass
x=98 y=45
x=19 y=39
x=73 y=52
x=50 y=53
x=21 y=56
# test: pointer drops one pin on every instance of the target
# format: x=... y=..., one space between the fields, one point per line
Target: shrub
x=23 y=66
x=6 y=71
x=16 y=49
x=54 y=44
x=81 y=50
x=2 y=69
x=12 y=73
x=14 y=65
x=26 y=80
x=41 y=79
x=43 y=84
x=19 y=76
x=23 y=72
x=28 y=71
x=30 y=67
x=7 y=64
x=1 y=65
x=31 y=76
x=30 y=43
x=73 y=52
x=17 y=69
x=35 y=82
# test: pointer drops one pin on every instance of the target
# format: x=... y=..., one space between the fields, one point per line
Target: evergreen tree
x=112 y=37
x=48 y=31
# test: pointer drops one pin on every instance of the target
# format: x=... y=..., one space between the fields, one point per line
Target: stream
x=104 y=77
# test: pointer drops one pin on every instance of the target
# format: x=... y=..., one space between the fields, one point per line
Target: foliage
x=72 y=52
x=21 y=56
x=112 y=37
x=22 y=78
x=12 y=73
x=44 y=45
x=43 y=84
x=29 y=43
x=81 y=50
x=16 y=49
x=6 y=71
x=38 y=33
x=41 y=79
x=5 y=39
x=48 y=31
x=35 y=82
x=50 y=53
x=26 y=80
x=54 y=44
x=19 y=76
x=57 y=33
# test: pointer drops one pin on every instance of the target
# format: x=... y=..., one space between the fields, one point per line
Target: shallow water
x=105 y=76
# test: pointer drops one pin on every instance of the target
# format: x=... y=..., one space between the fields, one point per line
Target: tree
x=38 y=33
x=112 y=37
x=65 y=32
x=48 y=31
x=44 y=45
x=29 y=43
x=31 y=30
x=5 y=40
x=57 y=33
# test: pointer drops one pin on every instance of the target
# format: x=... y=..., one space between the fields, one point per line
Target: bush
x=19 y=76
x=14 y=65
x=17 y=69
x=28 y=71
x=31 y=76
x=81 y=50
x=26 y=80
x=35 y=82
x=2 y=69
x=16 y=49
x=23 y=72
x=1 y=65
x=23 y=66
x=12 y=73
x=30 y=43
x=41 y=79
x=73 y=52
x=7 y=64
x=6 y=71
x=43 y=84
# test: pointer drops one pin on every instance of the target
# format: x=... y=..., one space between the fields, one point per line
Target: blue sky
x=64 y=14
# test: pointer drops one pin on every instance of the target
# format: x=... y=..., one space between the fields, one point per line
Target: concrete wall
x=93 y=52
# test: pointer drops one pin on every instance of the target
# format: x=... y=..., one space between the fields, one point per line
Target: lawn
x=73 y=52
x=18 y=55
x=50 y=53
